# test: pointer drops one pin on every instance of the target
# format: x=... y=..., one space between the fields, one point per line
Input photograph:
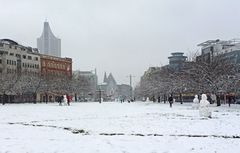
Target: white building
x=18 y=58
x=217 y=47
x=49 y=44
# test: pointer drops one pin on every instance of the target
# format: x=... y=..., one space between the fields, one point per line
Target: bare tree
x=82 y=86
x=211 y=76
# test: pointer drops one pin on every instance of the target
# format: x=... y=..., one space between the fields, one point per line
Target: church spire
x=105 y=77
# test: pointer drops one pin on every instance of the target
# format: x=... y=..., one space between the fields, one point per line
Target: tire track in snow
x=83 y=132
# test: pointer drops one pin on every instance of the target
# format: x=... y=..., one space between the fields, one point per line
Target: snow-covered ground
x=112 y=127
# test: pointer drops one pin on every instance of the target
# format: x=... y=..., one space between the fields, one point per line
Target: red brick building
x=56 y=66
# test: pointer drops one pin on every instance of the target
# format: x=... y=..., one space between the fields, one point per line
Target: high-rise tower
x=49 y=44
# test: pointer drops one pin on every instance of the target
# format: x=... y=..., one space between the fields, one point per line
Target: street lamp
x=100 y=94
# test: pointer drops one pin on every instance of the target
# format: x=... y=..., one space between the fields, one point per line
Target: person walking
x=229 y=98
x=181 y=98
x=218 y=100
x=68 y=100
x=5 y=99
x=170 y=100
x=60 y=99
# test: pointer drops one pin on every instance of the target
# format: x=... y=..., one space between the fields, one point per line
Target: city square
x=119 y=76
x=141 y=127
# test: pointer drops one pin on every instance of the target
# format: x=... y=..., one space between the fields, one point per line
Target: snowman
x=204 y=107
x=65 y=100
x=195 y=104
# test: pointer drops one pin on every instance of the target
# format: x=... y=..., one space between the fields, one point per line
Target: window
x=0 y=61
x=24 y=56
x=36 y=58
x=11 y=54
x=30 y=57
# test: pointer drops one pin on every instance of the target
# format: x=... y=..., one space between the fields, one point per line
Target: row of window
x=25 y=65
x=23 y=72
x=11 y=62
x=55 y=65
x=29 y=65
x=24 y=56
x=11 y=70
x=16 y=47
x=55 y=73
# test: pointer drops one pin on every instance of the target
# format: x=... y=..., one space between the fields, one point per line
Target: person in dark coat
x=170 y=100
x=68 y=100
x=229 y=98
x=218 y=100
x=5 y=99
x=60 y=99
x=181 y=99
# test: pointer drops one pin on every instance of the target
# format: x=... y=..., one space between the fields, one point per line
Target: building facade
x=48 y=44
x=220 y=48
x=111 y=91
x=86 y=85
x=177 y=60
x=19 y=66
x=56 y=66
x=15 y=58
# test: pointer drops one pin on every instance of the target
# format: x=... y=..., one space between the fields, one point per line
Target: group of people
x=65 y=99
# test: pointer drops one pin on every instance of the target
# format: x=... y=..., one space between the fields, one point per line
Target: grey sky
x=121 y=36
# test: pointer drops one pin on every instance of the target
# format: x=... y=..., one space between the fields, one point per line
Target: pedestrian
x=181 y=99
x=229 y=99
x=60 y=99
x=170 y=100
x=209 y=98
x=68 y=100
x=218 y=100
x=5 y=99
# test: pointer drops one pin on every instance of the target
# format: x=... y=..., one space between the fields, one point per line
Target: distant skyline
x=121 y=36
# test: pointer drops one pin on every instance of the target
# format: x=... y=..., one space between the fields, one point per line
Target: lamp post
x=100 y=94
x=130 y=83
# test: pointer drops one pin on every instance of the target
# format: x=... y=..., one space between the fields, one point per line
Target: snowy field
x=117 y=128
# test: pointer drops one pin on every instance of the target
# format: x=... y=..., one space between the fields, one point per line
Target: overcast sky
x=121 y=36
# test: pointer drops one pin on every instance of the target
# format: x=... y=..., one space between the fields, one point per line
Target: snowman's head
x=204 y=97
x=196 y=96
